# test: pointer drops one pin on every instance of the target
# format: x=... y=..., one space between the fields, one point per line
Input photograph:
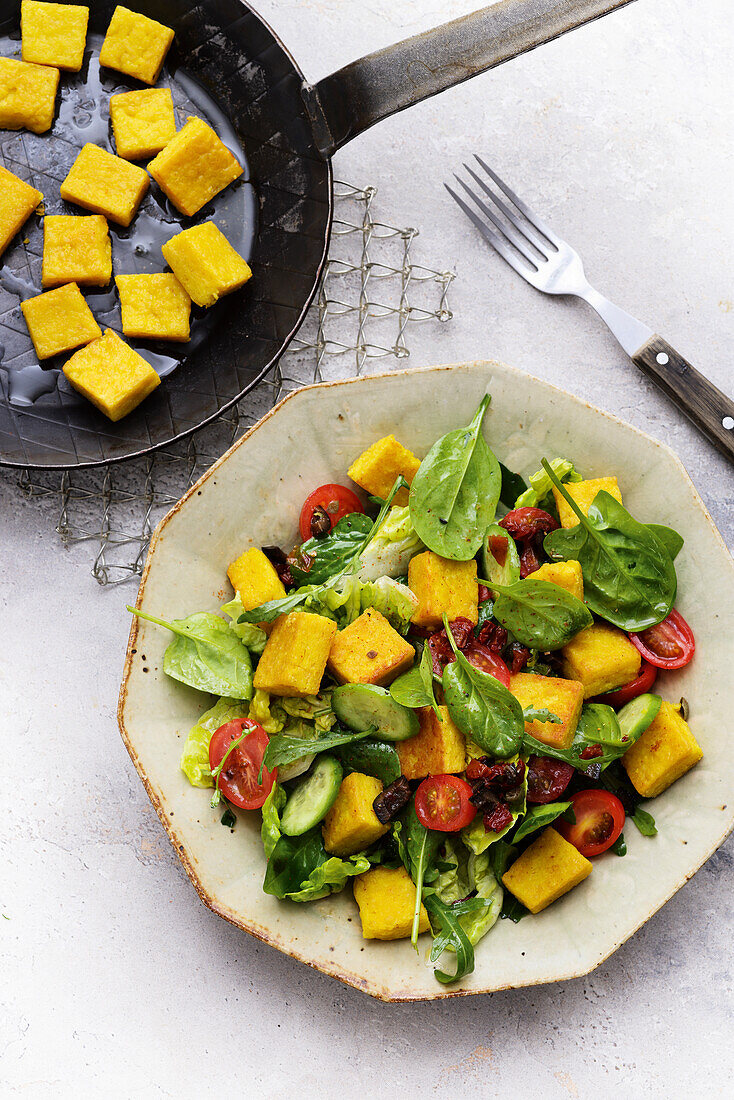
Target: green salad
x=441 y=694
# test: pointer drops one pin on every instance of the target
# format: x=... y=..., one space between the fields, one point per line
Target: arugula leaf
x=620 y=846
x=451 y=935
x=455 y=492
x=283 y=749
x=377 y=758
x=538 y=817
x=645 y=822
x=418 y=847
x=539 y=614
x=629 y=577
x=671 y=540
x=318 y=559
x=540 y=714
x=483 y=709
x=512 y=486
x=205 y=654
x=228 y=819
x=415 y=688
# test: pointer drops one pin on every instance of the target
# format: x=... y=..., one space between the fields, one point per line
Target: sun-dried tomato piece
x=529 y=561
x=493 y=636
x=528 y=523
x=517 y=657
x=483 y=593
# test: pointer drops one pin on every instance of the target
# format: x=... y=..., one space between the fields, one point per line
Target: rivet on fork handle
x=709 y=409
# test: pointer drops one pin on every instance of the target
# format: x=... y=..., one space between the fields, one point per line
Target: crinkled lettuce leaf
x=266 y=712
x=311 y=708
x=351 y=596
x=391 y=548
x=272 y=808
x=540 y=483
x=195 y=755
x=253 y=636
x=465 y=873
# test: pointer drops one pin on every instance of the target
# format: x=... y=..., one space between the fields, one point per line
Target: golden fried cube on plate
x=566 y=574
x=369 y=651
x=439 y=748
x=386 y=900
x=135 y=45
x=194 y=167
x=143 y=122
x=27 y=95
x=76 y=250
x=665 y=751
x=564 y=698
x=18 y=200
x=351 y=824
x=109 y=185
x=254 y=579
x=443 y=587
x=111 y=375
x=546 y=870
x=59 y=320
x=154 y=307
x=377 y=468
x=295 y=654
x=204 y=262
x=602 y=658
x=583 y=492
x=54 y=34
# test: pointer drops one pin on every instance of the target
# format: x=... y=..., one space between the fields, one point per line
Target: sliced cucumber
x=361 y=706
x=636 y=716
x=509 y=571
x=312 y=799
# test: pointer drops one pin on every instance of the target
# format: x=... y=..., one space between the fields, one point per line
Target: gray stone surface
x=115 y=979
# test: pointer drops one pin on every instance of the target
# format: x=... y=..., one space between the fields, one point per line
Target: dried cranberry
x=493 y=636
x=547 y=778
x=517 y=657
x=528 y=523
x=529 y=561
x=591 y=751
x=391 y=801
x=498 y=818
x=461 y=631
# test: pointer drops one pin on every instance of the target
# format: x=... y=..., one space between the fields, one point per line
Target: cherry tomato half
x=599 y=821
x=669 y=644
x=238 y=778
x=442 y=802
x=547 y=778
x=336 y=500
x=638 y=686
x=482 y=657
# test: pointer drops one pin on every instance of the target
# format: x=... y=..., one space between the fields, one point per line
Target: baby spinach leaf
x=451 y=936
x=512 y=909
x=539 y=614
x=512 y=486
x=205 y=654
x=671 y=540
x=283 y=749
x=598 y=726
x=538 y=817
x=629 y=577
x=483 y=709
x=645 y=822
x=369 y=757
x=415 y=687
x=454 y=495
x=300 y=869
x=318 y=559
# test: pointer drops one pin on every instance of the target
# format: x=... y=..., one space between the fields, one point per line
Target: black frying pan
x=280 y=216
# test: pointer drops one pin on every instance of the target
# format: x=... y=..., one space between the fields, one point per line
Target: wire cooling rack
x=371 y=294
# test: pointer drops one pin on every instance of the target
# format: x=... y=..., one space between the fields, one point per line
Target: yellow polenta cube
x=194 y=167
x=204 y=262
x=142 y=122
x=566 y=574
x=59 y=320
x=111 y=375
x=545 y=871
x=602 y=658
x=564 y=698
x=439 y=748
x=18 y=200
x=27 y=95
x=369 y=651
x=386 y=900
x=154 y=307
x=254 y=579
x=295 y=654
x=377 y=468
x=54 y=34
x=351 y=824
x=665 y=752
x=443 y=587
x=76 y=250
x=107 y=184
x=583 y=492
x=135 y=45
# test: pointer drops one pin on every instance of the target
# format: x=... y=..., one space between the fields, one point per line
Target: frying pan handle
x=383 y=83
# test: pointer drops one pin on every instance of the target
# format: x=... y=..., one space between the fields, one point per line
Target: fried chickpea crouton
x=54 y=34
x=369 y=651
x=386 y=900
x=27 y=95
x=106 y=184
x=583 y=492
x=377 y=468
x=18 y=200
x=545 y=871
x=443 y=587
x=111 y=375
x=135 y=45
x=154 y=307
x=351 y=824
x=143 y=122
x=564 y=698
x=194 y=167
x=665 y=752
x=204 y=262
x=566 y=574
x=602 y=658
x=295 y=654
x=59 y=320
x=254 y=579
x=76 y=250
x=438 y=749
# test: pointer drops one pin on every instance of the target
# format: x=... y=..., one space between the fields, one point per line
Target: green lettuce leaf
x=540 y=483
x=391 y=548
x=478 y=922
x=195 y=755
x=268 y=714
x=272 y=808
x=249 y=634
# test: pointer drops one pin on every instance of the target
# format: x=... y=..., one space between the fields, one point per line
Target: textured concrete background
x=114 y=978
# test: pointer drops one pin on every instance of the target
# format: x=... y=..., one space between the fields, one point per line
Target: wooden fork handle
x=709 y=409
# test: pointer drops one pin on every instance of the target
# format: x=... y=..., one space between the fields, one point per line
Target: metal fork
x=552 y=266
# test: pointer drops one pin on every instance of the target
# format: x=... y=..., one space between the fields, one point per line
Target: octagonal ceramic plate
x=252 y=496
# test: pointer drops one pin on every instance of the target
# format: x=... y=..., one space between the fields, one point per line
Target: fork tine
x=497 y=243
x=522 y=224
x=523 y=207
x=517 y=239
